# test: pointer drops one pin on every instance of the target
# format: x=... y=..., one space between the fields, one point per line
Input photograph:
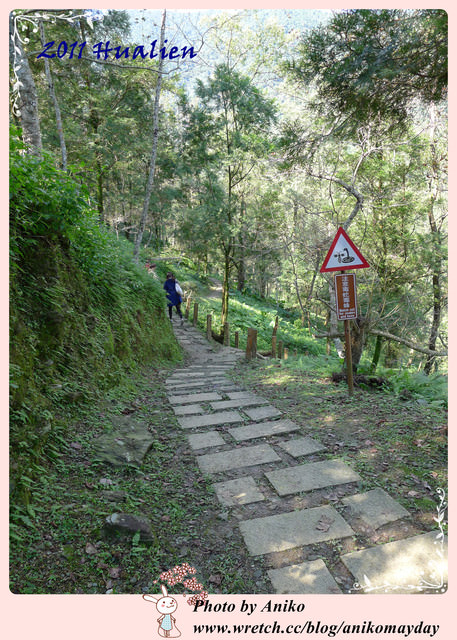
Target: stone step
x=244 y=395
x=204 y=440
x=293 y=529
x=209 y=420
x=199 y=384
x=301 y=446
x=314 y=475
x=406 y=566
x=229 y=404
x=261 y=413
x=307 y=577
x=238 y=492
x=262 y=429
x=236 y=458
x=188 y=409
x=375 y=508
x=194 y=397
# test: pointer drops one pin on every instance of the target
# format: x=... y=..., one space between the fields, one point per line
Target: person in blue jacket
x=173 y=297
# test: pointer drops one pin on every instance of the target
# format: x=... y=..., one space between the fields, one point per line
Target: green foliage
x=43 y=200
x=82 y=314
x=433 y=388
x=372 y=64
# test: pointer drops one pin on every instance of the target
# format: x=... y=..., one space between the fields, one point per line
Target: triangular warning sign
x=343 y=254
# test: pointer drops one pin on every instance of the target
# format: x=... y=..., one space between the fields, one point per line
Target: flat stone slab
x=225 y=387
x=188 y=409
x=203 y=440
x=197 y=367
x=194 y=397
x=307 y=577
x=235 y=458
x=232 y=404
x=183 y=376
x=400 y=567
x=182 y=387
x=301 y=446
x=195 y=382
x=209 y=420
x=375 y=508
x=239 y=491
x=261 y=413
x=294 y=529
x=243 y=395
x=315 y=475
x=127 y=443
x=261 y=429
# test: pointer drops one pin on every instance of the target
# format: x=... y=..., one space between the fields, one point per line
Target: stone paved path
x=256 y=455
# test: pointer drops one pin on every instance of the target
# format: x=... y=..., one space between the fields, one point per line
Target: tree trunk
x=333 y=319
x=52 y=93
x=100 y=203
x=241 y=264
x=358 y=336
x=25 y=106
x=225 y=291
x=376 y=354
x=241 y=272
x=436 y=242
x=155 y=137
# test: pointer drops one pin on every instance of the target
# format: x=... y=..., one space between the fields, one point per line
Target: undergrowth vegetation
x=83 y=316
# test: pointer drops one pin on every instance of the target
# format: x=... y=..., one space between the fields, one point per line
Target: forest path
x=299 y=509
x=215 y=288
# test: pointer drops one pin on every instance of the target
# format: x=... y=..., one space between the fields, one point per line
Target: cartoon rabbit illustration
x=166 y=605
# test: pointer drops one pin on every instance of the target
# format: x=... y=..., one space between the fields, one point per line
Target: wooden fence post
x=273 y=346
x=226 y=334
x=280 y=349
x=186 y=313
x=286 y=353
x=208 y=326
x=251 y=344
x=275 y=328
x=195 y=320
x=237 y=339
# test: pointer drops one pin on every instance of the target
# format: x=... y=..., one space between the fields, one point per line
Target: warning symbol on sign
x=343 y=254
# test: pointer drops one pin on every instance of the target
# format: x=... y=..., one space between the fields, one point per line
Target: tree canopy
x=374 y=64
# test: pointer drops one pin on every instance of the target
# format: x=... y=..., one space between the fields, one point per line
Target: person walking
x=173 y=297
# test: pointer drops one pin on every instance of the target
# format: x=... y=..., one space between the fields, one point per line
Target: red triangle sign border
x=362 y=265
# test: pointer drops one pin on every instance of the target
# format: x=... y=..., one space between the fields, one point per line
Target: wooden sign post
x=343 y=255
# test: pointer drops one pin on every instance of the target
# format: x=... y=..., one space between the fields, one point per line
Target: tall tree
x=25 y=105
x=52 y=93
x=155 y=138
x=237 y=118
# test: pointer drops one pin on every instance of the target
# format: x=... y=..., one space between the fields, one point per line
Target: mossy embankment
x=83 y=316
